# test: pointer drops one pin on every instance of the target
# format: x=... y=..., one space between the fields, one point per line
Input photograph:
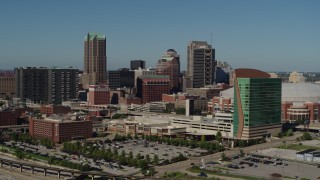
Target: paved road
x=181 y=166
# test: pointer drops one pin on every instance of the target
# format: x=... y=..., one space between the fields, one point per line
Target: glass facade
x=260 y=102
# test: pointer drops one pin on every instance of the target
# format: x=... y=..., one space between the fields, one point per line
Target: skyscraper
x=201 y=64
x=95 y=60
x=52 y=85
x=169 y=64
x=257 y=104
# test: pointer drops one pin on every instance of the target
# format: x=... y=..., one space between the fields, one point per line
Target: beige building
x=7 y=86
x=273 y=75
x=296 y=77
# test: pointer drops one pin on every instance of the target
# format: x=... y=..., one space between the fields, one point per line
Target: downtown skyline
x=270 y=35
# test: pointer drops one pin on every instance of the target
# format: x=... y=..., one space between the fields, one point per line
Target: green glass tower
x=257 y=104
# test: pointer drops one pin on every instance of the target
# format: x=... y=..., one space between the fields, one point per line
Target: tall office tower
x=201 y=64
x=121 y=78
x=257 y=104
x=169 y=64
x=136 y=64
x=32 y=83
x=95 y=60
x=43 y=85
x=62 y=84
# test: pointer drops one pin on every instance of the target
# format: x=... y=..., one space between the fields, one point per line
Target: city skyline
x=271 y=36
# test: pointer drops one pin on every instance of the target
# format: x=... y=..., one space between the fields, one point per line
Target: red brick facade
x=98 y=95
x=309 y=110
x=152 y=88
x=53 y=109
x=59 y=131
x=8 y=118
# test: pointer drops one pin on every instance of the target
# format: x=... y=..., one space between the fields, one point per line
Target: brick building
x=54 y=109
x=220 y=104
x=8 y=117
x=98 y=95
x=60 y=129
x=300 y=112
x=151 y=88
x=169 y=64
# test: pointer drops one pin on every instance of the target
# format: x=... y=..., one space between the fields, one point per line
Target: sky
x=273 y=35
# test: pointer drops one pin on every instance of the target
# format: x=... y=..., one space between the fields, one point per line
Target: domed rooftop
x=172 y=50
x=295 y=92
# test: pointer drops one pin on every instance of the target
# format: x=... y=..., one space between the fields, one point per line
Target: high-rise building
x=201 y=64
x=121 y=78
x=136 y=64
x=169 y=64
x=45 y=85
x=95 y=60
x=257 y=104
x=62 y=84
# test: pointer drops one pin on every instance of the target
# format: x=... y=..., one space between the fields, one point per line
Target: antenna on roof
x=211 y=40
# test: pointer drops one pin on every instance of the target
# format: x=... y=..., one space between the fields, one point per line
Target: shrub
x=307 y=136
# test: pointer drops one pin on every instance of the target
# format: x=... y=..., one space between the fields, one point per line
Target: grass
x=34 y=156
x=198 y=170
x=297 y=147
x=180 y=175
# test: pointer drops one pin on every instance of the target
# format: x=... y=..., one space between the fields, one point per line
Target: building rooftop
x=295 y=92
x=306 y=151
x=155 y=77
x=93 y=35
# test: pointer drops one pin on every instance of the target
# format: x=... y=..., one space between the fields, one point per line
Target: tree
x=180 y=111
x=19 y=154
x=307 y=136
x=241 y=152
x=223 y=156
x=130 y=155
x=155 y=159
x=203 y=138
x=289 y=132
x=219 y=136
x=148 y=158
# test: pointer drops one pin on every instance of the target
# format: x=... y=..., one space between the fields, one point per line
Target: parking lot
x=164 y=151
x=138 y=146
x=261 y=166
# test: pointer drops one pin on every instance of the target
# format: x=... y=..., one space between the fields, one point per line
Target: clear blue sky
x=273 y=35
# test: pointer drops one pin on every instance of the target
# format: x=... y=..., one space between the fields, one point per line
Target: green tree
x=241 y=152
x=219 y=136
x=307 y=136
x=223 y=157
x=130 y=155
x=19 y=154
x=155 y=159
x=180 y=111
x=51 y=160
x=203 y=138
x=289 y=132
x=148 y=158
